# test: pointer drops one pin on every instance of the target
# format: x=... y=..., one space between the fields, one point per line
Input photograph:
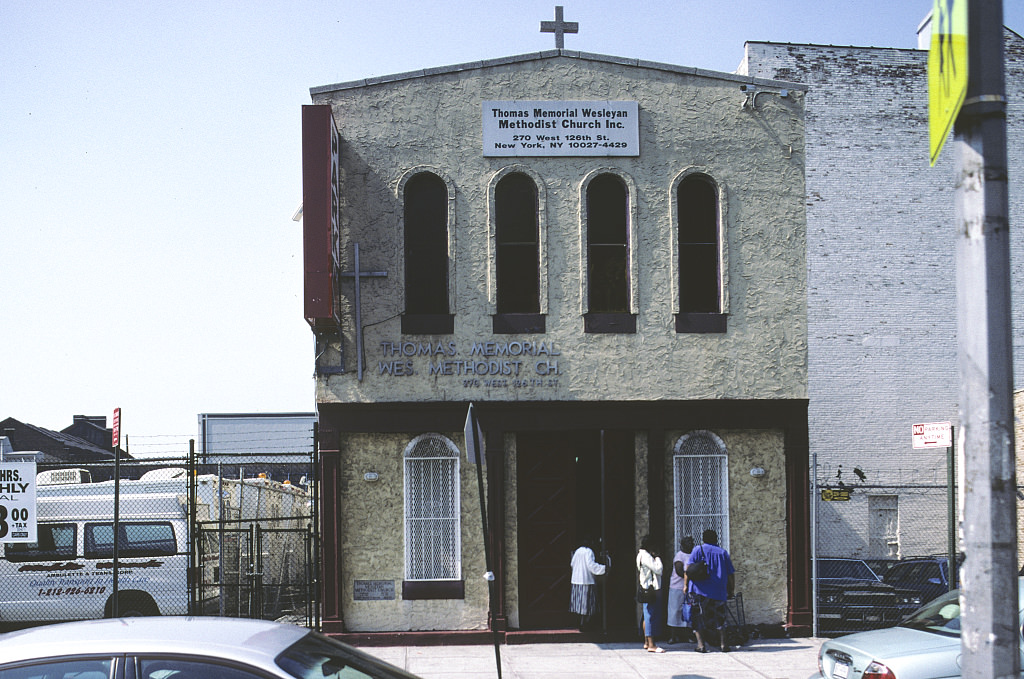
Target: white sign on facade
x=561 y=128
x=18 y=502
x=933 y=435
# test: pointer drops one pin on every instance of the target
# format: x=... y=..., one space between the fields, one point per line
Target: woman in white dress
x=583 y=600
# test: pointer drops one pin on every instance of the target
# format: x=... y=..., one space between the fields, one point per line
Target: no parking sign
x=17 y=501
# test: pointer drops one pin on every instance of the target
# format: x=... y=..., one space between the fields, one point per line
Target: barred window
x=433 y=545
x=701 y=479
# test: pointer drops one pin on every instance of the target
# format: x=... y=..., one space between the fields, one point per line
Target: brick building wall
x=882 y=348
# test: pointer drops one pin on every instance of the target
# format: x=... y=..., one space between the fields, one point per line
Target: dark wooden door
x=547 y=516
x=567 y=491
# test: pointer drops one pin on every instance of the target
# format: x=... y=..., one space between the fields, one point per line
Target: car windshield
x=317 y=657
x=838 y=568
x=941 y=616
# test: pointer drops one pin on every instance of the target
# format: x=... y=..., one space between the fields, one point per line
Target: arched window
x=700 y=289
x=607 y=245
x=700 y=470
x=426 y=254
x=433 y=544
x=517 y=245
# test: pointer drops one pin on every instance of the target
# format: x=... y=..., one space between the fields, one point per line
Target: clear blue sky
x=150 y=166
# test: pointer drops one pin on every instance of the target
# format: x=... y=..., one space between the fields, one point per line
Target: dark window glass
x=134 y=540
x=198 y=668
x=699 y=288
x=517 y=256
x=315 y=656
x=607 y=245
x=426 y=245
x=830 y=569
x=85 y=668
x=55 y=542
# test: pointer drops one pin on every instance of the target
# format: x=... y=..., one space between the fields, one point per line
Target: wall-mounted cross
x=559 y=27
x=358 y=275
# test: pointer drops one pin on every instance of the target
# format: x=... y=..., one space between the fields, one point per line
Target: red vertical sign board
x=321 y=211
x=116 y=438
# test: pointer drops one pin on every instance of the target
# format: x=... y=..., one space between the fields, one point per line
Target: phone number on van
x=71 y=591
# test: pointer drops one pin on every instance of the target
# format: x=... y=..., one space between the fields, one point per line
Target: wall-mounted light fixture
x=757 y=472
x=371 y=477
x=750 y=101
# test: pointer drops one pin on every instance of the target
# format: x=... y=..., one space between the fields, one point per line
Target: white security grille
x=701 y=481
x=433 y=544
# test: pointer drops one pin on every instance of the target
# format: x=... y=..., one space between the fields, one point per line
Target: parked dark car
x=851 y=598
x=918 y=581
x=881 y=566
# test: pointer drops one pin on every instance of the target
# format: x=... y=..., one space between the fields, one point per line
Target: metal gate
x=254 y=538
x=253 y=569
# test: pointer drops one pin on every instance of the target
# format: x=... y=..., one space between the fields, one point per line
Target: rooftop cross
x=559 y=27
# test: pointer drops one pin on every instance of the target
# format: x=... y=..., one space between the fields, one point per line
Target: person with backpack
x=711 y=581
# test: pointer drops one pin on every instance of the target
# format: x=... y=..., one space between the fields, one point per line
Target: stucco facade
x=689 y=123
x=571 y=402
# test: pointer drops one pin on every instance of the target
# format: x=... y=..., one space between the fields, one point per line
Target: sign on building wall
x=561 y=128
x=932 y=435
x=373 y=590
x=321 y=212
x=17 y=502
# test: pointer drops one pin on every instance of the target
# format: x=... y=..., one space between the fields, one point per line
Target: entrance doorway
x=572 y=485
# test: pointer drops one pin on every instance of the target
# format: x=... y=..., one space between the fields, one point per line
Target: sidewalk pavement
x=757 y=659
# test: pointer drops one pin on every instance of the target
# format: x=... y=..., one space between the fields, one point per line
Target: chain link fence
x=256 y=538
x=883 y=540
x=194 y=534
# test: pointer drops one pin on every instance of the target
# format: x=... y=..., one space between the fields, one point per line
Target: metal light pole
x=990 y=637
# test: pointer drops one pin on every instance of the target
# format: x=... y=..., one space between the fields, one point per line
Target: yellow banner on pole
x=947 y=71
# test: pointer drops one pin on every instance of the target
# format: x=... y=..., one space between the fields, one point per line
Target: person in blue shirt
x=711 y=593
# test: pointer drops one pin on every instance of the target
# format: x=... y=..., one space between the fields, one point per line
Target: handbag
x=686 y=614
x=646 y=596
x=697 y=570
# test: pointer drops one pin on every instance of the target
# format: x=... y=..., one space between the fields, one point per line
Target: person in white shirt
x=583 y=600
x=649 y=568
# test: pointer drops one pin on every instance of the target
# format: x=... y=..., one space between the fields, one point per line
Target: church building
x=606 y=258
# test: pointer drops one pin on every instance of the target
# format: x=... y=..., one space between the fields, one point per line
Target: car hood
x=852 y=583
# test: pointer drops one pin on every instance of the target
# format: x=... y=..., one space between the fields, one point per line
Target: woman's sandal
x=655 y=649
x=701 y=649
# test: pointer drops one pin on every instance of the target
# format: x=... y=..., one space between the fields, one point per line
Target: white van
x=67 y=574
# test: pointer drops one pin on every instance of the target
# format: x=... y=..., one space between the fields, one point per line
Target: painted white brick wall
x=881 y=272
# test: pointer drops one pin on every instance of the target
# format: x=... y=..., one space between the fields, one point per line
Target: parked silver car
x=183 y=648
x=924 y=646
